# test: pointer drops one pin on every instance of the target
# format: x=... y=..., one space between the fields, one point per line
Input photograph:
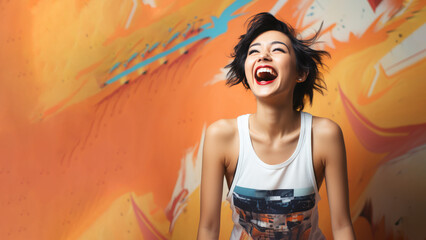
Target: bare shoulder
x=222 y=133
x=223 y=130
x=220 y=140
x=326 y=129
x=328 y=140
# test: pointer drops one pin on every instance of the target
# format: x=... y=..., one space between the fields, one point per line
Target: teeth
x=265 y=69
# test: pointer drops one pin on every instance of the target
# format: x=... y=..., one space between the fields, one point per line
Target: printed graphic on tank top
x=275 y=201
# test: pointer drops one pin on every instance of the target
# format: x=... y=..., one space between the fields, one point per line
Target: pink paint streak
x=178 y=199
x=148 y=230
x=394 y=141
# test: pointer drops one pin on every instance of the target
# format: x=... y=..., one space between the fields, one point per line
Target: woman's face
x=270 y=66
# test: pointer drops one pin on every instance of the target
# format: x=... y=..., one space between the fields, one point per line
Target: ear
x=302 y=77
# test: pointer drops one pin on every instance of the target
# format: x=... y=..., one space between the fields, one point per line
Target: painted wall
x=103 y=106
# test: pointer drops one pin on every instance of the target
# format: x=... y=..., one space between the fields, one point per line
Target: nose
x=264 y=57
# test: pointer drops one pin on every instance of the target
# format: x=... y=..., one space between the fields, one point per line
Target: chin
x=264 y=93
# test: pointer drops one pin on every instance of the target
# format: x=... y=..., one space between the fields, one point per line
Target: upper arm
x=334 y=158
x=213 y=170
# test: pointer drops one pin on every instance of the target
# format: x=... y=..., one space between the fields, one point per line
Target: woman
x=275 y=160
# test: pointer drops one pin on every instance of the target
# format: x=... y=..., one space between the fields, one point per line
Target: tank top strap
x=243 y=132
x=307 y=143
x=307 y=125
x=242 y=123
x=308 y=150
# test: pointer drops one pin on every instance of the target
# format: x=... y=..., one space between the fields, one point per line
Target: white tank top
x=275 y=201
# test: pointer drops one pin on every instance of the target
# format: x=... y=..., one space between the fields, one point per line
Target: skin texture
x=274 y=130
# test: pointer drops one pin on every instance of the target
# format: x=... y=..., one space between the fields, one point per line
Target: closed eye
x=252 y=51
x=279 y=49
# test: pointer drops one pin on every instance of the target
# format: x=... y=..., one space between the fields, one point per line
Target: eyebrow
x=274 y=42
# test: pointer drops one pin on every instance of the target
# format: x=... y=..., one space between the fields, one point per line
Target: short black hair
x=307 y=59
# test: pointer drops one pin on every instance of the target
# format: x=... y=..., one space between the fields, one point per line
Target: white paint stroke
x=277 y=7
x=129 y=20
x=218 y=77
x=150 y=3
x=373 y=84
x=345 y=17
x=410 y=51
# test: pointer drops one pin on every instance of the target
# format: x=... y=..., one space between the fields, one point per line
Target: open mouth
x=265 y=75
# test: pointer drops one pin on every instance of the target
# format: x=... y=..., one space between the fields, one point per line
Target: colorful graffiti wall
x=103 y=107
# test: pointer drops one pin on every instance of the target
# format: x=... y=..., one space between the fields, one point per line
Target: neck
x=275 y=121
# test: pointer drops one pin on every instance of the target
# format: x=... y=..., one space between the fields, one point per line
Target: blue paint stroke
x=114 y=67
x=154 y=46
x=173 y=37
x=133 y=56
x=220 y=26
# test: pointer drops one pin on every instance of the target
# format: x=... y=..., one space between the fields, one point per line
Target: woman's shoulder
x=327 y=139
x=222 y=130
x=326 y=129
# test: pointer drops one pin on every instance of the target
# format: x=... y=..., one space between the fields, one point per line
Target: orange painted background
x=103 y=106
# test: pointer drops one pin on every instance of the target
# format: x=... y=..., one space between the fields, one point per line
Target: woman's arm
x=212 y=175
x=336 y=178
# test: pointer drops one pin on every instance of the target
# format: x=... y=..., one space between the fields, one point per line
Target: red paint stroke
x=374 y=4
x=395 y=141
x=148 y=230
x=178 y=199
